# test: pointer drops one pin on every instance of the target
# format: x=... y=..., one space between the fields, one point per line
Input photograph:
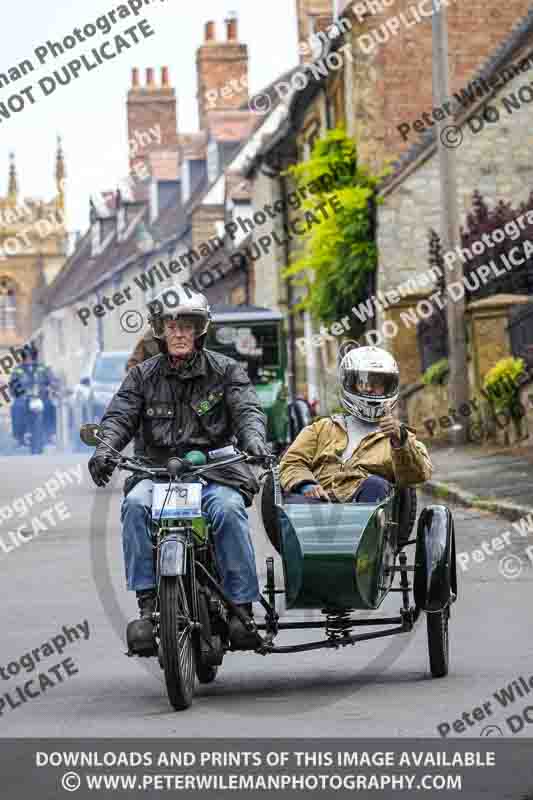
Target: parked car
x=91 y=396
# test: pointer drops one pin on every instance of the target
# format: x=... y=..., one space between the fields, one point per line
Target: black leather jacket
x=209 y=405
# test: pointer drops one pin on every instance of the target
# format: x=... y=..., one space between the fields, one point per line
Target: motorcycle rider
x=21 y=383
x=355 y=456
x=187 y=398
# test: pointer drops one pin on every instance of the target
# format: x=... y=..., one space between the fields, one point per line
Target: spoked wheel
x=438 y=642
x=178 y=655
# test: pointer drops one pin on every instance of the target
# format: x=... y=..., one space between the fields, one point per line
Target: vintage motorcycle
x=337 y=558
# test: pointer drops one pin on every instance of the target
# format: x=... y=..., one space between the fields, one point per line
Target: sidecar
x=341 y=558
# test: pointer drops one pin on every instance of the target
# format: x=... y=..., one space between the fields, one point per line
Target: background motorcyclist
x=183 y=399
x=25 y=377
x=147 y=347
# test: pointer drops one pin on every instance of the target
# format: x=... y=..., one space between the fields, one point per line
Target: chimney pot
x=210 y=31
x=232 y=29
x=135 y=78
x=164 y=77
x=150 y=76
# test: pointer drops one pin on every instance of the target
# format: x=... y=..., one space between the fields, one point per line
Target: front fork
x=188 y=575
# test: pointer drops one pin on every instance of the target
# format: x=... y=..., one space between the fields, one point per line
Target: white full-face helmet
x=179 y=302
x=369 y=381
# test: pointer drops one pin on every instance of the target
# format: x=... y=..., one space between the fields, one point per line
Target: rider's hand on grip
x=257 y=447
x=101 y=467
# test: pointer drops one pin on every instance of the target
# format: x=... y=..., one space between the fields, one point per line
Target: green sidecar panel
x=336 y=555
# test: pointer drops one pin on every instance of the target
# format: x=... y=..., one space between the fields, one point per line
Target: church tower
x=32 y=251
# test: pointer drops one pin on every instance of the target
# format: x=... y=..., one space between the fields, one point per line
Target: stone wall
x=392 y=81
x=489 y=338
x=494 y=161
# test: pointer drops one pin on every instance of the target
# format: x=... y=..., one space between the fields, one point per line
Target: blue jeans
x=225 y=512
x=372 y=490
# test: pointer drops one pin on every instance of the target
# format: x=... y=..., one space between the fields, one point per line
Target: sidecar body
x=343 y=555
x=336 y=555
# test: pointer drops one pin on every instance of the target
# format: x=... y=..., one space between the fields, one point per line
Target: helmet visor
x=170 y=322
x=370 y=383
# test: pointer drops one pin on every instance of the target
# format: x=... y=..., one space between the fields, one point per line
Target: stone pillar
x=487 y=332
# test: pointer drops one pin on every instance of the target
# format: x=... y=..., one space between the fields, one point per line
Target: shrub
x=437 y=373
x=501 y=385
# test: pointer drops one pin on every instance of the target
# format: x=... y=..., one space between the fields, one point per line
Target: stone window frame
x=9 y=311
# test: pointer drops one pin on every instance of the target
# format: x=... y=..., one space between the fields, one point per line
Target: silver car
x=93 y=393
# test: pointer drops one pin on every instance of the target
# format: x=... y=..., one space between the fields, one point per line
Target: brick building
x=172 y=209
x=494 y=160
x=387 y=81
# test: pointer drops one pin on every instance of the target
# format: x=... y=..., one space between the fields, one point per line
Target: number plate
x=182 y=501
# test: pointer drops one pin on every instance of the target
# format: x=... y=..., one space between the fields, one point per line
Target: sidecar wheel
x=438 y=642
x=177 y=642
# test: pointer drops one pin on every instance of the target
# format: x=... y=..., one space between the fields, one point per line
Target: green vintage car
x=254 y=336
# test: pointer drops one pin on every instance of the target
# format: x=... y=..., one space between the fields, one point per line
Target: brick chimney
x=313 y=16
x=219 y=65
x=152 y=115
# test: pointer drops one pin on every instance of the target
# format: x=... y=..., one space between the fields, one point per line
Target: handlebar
x=182 y=467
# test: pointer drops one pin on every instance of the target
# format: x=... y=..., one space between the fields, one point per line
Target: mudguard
x=435 y=575
x=173 y=555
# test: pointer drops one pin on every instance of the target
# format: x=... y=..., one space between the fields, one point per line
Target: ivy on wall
x=340 y=254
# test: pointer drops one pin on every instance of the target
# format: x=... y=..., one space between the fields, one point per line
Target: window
x=212 y=161
x=185 y=181
x=8 y=305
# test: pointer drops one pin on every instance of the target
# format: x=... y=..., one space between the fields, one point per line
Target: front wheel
x=178 y=655
x=438 y=645
x=37 y=434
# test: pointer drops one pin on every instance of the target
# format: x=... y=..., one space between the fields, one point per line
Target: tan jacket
x=316 y=452
x=145 y=348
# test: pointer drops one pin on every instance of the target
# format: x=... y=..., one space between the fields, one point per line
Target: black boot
x=240 y=637
x=147 y=600
x=140 y=632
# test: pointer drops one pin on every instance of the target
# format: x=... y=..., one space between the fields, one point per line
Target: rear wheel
x=178 y=656
x=438 y=645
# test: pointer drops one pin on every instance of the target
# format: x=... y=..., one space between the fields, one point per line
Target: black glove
x=257 y=447
x=101 y=468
